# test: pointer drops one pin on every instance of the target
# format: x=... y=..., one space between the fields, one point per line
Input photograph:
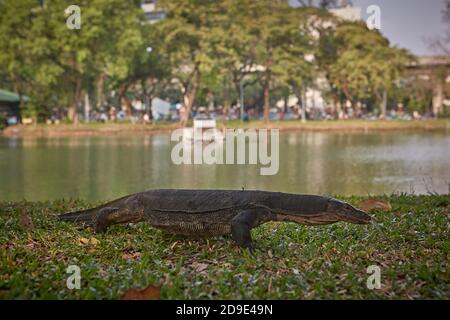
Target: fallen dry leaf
x=85 y=241
x=94 y=241
x=31 y=244
x=269 y=288
x=374 y=204
x=149 y=293
x=9 y=245
x=311 y=295
x=82 y=240
x=198 y=266
x=129 y=255
x=25 y=221
x=270 y=254
x=173 y=245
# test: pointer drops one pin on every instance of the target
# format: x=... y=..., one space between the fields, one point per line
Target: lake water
x=106 y=167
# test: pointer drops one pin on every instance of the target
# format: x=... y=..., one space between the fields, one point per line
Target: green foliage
x=186 y=34
x=203 y=48
x=359 y=62
x=416 y=95
x=52 y=63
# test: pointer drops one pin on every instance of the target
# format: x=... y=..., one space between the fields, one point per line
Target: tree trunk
x=72 y=110
x=266 y=103
x=146 y=100
x=286 y=102
x=237 y=87
x=190 y=91
x=100 y=91
x=149 y=109
x=188 y=99
x=268 y=78
x=384 y=105
x=124 y=101
x=336 y=107
x=87 y=107
x=21 y=106
x=438 y=97
x=226 y=100
x=226 y=109
x=303 y=100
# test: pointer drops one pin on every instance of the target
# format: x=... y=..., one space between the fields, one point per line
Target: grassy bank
x=291 y=125
x=291 y=261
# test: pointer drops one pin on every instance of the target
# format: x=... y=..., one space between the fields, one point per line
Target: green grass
x=291 y=261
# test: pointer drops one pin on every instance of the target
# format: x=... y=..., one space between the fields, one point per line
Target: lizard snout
x=348 y=213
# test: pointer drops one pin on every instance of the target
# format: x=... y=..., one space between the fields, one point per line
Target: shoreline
x=92 y=129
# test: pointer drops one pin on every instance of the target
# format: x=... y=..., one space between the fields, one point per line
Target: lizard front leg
x=243 y=222
x=102 y=219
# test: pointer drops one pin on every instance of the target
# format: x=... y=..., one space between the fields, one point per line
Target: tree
x=267 y=39
x=415 y=94
x=297 y=67
x=231 y=39
x=111 y=45
x=146 y=73
x=360 y=63
x=282 y=40
x=55 y=63
x=186 y=33
x=21 y=50
x=232 y=46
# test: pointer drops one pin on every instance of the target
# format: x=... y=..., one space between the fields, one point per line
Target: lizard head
x=347 y=212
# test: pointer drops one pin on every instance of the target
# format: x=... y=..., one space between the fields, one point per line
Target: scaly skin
x=207 y=213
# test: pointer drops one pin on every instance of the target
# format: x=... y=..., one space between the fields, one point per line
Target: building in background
x=9 y=106
x=151 y=11
x=347 y=11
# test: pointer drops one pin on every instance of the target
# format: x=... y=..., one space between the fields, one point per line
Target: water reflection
x=98 y=168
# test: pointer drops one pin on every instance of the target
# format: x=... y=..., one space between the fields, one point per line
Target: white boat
x=203 y=130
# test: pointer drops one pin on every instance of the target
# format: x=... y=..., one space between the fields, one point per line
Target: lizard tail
x=79 y=216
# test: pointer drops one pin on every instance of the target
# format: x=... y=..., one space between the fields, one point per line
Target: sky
x=407 y=23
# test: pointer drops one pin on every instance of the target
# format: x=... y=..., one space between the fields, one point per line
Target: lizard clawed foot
x=100 y=224
x=248 y=247
x=251 y=248
x=99 y=227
